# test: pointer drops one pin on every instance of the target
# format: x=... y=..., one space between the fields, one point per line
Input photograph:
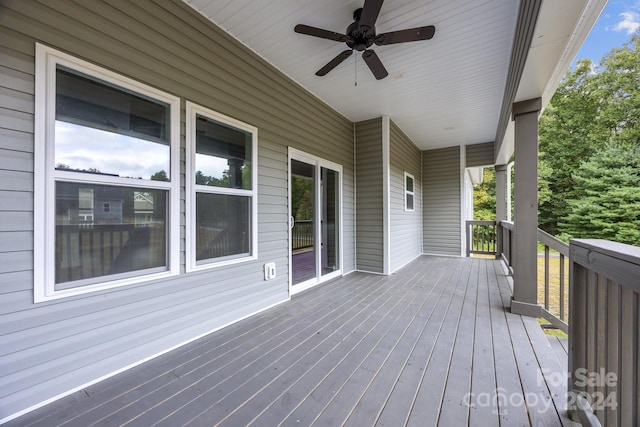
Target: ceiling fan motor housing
x=359 y=38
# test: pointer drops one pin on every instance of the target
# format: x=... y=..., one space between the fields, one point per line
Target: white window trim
x=45 y=174
x=191 y=111
x=407 y=192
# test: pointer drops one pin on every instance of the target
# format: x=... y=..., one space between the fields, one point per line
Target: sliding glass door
x=315 y=220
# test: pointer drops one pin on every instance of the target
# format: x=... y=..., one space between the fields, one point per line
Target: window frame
x=411 y=193
x=47 y=60
x=192 y=189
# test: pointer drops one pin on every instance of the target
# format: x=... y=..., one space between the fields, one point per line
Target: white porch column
x=501 y=212
x=525 y=253
x=501 y=192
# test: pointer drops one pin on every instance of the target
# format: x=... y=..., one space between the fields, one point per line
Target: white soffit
x=442 y=92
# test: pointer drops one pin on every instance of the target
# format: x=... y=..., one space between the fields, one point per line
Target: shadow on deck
x=430 y=345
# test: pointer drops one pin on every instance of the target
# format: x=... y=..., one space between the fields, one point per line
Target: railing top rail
x=553 y=242
x=507 y=224
x=615 y=261
x=481 y=222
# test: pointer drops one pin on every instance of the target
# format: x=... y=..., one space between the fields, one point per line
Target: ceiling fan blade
x=319 y=32
x=369 y=14
x=334 y=62
x=374 y=64
x=409 y=35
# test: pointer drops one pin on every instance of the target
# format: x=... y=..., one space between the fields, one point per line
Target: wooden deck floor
x=430 y=345
x=303 y=266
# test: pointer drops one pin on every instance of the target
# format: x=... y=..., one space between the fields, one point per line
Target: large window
x=221 y=189
x=107 y=190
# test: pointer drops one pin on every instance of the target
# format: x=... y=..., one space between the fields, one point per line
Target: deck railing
x=600 y=310
x=604 y=358
x=505 y=243
x=552 y=262
x=481 y=238
x=554 y=295
x=88 y=250
x=302 y=235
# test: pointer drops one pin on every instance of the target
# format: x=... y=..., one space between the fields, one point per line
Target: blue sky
x=619 y=20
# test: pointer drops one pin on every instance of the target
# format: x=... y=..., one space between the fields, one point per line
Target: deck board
x=505 y=366
x=560 y=349
x=429 y=345
x=428 y=400
x=483 y=377
x=398 y=406
x=458 y=384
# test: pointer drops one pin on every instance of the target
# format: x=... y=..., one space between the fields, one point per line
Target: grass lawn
x=551 y=331
x=554 y=284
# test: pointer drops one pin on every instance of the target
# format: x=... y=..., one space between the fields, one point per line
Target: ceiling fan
x=361 y=35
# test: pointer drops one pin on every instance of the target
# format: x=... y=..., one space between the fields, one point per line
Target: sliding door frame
x=319 y=205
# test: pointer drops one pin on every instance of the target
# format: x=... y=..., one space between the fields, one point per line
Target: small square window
x=408 y=192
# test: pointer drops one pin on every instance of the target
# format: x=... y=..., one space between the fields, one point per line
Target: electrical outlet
x=270 y=271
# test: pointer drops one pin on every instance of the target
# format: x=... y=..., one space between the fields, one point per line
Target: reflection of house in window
x=111 y=212
x=85 y=205
x=143 y=207
x=77 y=204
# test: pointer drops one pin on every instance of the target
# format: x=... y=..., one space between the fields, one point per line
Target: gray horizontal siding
x=406 y=227
x=369 y=219
x=50 y=348
x=479 y=154
x=441 y=201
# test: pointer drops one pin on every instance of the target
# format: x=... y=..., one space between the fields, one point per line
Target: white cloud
x=81 y=147
x=630 y=22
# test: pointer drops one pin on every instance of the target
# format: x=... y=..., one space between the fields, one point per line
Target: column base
x=526 y=309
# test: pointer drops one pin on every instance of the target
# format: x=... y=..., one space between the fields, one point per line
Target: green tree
x=566 y=138
x=484 y=196
x=607 y=205
x=202 y=179
x=592 y=107
x=302 y=196
x=618 y=81
x=160 y=176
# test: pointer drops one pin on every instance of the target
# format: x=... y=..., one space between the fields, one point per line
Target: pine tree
x=592 y=107
x=607 y=205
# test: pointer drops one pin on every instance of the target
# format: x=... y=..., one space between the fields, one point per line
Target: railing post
x=499 y=237
x=525 y=283
x=469 y=238
x=577 y=328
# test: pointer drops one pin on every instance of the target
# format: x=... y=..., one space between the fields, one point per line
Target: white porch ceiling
x=442 y=92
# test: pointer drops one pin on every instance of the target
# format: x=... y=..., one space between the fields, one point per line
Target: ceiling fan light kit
x=361 y=35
